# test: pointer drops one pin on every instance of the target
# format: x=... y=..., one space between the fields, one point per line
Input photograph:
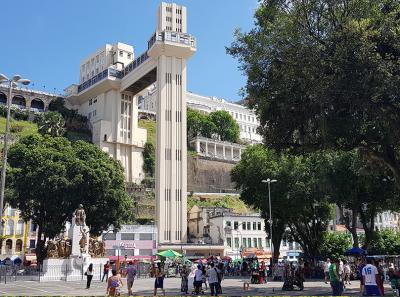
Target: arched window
x=37 y=105
x=18 y=246
x=19 y=101
x=20 y=227
x=10 y=227
x=3 y=98
x=9 y=244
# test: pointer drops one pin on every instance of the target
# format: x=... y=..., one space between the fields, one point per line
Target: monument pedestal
x=76 y=234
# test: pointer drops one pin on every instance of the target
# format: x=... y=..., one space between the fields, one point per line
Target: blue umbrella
x=356 y=251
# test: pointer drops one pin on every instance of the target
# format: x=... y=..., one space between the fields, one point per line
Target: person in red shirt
x=106 y=269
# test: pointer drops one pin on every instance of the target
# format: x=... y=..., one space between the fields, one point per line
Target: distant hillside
x=227 y=201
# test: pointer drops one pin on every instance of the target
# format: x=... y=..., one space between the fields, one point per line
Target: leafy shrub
x=16 y=128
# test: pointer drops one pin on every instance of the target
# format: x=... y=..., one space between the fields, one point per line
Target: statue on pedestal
x=80 y=216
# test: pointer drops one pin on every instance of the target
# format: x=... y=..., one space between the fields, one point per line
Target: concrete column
x=240 y=154
x=232 y=152
x=223 y=151
x=215 y=149
x=198 y=145
x=206 y=149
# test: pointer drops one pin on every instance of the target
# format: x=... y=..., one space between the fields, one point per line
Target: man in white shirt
x=213 y=279
x=327 y=264
x=370 y=274
x=198 y=279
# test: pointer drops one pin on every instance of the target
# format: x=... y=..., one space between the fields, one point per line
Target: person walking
x=198 y=279
x=327 y=264
x=130 y=277
x=89 y=275
x=159 y=282
x=106 y=269
x=213 y=279
x=347 y=273
x=334 y=278
x=114 y=283
x=381 y=278
x=185 y=279
x=370 y=276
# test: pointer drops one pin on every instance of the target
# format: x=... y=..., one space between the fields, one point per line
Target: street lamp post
x=269 y=181
x=12 y=83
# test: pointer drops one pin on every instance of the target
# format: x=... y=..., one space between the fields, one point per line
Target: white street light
x=269 y=181
x=12 y=83
x=3 y=77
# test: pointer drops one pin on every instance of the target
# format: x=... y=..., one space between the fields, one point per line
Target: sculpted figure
x=80 y=216
x=52 y=249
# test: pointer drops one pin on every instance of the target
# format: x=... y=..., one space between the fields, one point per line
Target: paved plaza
x=231 y=287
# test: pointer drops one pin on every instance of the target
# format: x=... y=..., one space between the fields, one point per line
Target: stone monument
x=75 y=253
x=79 y=233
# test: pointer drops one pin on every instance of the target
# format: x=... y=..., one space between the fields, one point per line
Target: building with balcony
x=18 y=236
x=112 y=115
x=111 y=79
x=27 y=99
x=217 y=149
x=246 y=118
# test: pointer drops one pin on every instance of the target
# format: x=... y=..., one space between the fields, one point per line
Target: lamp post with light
x=13 y=82
x=269 y=181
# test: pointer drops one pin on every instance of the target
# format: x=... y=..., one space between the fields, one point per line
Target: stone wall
x=209 y=176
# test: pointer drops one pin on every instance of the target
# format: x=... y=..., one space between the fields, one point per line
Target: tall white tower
x=110 y=81
x=171 y=160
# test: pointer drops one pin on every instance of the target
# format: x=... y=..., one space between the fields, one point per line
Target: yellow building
x=19 y=237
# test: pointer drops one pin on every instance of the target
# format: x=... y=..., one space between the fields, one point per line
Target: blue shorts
x=372 y=291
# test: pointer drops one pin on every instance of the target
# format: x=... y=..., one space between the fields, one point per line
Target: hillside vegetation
x=228 y=201
x=150 y=126
x=20 y=128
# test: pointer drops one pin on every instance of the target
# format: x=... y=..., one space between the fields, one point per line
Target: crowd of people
x=370 y=273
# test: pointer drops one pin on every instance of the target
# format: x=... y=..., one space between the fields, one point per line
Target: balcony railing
x=134 y=64
x=98 y=77
x=182 y=38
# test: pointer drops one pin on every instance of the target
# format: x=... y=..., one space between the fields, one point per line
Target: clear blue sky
x=44 y=40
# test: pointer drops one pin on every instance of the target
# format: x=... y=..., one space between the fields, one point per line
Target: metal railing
x=176 y=37
x=64 y=272
x=98 y=77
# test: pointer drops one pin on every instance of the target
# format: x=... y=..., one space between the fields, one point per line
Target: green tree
x=361 y=190
x=386 y=242
x=51 y=176
x=149 y=158
x=335 y=244
x=325 y=74
x=51 y=123
x=306 y=209
x=199 y=125
x=308 y=200
x=226 y=127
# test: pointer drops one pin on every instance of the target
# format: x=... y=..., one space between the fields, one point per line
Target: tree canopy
x=218 y=124
x=334 y=244
x=51 y=176
x=325 y=74
x=298 y=192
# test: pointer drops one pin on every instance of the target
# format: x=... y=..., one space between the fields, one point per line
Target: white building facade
x=246 y=118
x=109 y=99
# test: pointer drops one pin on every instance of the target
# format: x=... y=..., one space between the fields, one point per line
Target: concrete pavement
x=231 y=287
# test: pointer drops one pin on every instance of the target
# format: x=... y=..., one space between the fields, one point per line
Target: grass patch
x=227 y=201
x=24 y=127
x=151 y=128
